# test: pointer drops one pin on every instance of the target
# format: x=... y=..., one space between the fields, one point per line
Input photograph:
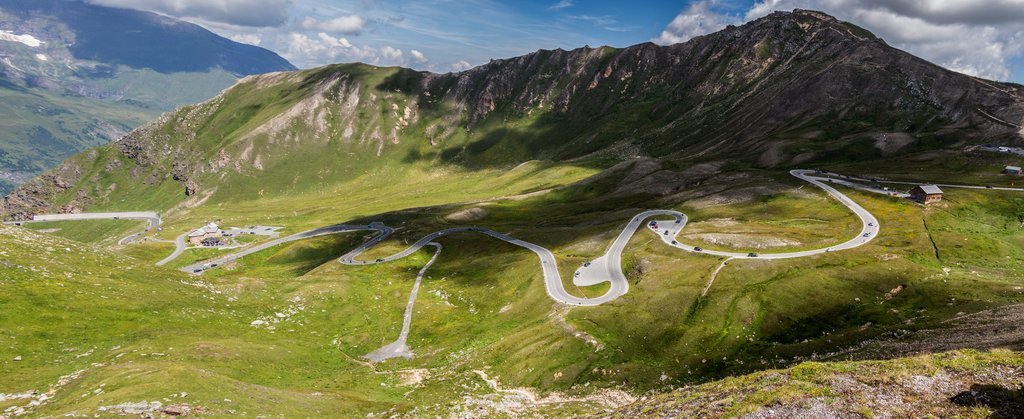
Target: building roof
x=930 y=189
x=204 y=230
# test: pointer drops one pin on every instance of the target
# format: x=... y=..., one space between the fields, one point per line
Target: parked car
x=698 y=249
x=752 y=255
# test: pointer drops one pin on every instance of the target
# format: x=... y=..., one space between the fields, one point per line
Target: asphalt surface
x=179 y=247
x=400 y=347
x=335 y=229
x=148 y=216
x=180 y=244
x=897 y=182
x=869 y=230
x=607 y=268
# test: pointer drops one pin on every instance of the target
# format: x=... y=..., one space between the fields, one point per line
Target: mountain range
x=786 y=90
x=76 y=75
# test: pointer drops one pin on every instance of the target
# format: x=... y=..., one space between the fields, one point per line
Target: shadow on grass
x=1004 y=402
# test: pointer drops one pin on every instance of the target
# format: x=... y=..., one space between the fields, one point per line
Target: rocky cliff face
x=785 y=90
x=746 y=84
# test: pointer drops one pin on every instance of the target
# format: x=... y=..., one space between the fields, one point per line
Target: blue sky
x=979 y=37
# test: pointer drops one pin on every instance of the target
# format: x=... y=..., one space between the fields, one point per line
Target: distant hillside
x=122 y=37
x=75 y=76
x=788 y=89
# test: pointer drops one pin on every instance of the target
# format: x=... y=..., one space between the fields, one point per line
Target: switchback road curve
x=607 y=268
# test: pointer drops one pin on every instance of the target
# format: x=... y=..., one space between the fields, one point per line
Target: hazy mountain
x=75 y=75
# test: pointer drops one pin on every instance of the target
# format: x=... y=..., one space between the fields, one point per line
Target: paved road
x=607 y=268
x=149 y=216
x=840 y=178
x=340 y=228
x=400 y=347
x=179 y=247
x=869 y=230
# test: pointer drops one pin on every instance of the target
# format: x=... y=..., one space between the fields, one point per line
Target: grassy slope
x=483 y=305
x=921 y=386
x=92 y=231
x=471 y=315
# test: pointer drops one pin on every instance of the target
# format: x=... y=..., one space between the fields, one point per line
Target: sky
x=984 y=38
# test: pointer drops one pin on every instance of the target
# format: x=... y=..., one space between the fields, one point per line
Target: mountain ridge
x=788 y=89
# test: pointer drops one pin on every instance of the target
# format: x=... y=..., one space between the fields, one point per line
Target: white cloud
x=254 y=13
x=246 y=38
x=461 y=66
x=977 y=37
x=307 y=51
x=417 y=56
x=391 y=54
x=349 y=25
x=696 y=20
x=334 y=42
x=561 y=5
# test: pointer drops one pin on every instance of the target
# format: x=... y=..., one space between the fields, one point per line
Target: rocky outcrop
x=37 y=195
x=744 y=85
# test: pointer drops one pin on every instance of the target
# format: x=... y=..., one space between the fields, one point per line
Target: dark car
x=752 y=255
x=380 y=260
x=674 y=242
x=698 y=249
x=987 y=186
x=197 y=271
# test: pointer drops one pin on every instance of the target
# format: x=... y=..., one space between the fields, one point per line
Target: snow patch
x=24 y=39
x=42 y=57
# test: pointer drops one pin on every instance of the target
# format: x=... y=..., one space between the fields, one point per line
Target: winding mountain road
x=179 y=248
x=607 y=268
x=399 y=348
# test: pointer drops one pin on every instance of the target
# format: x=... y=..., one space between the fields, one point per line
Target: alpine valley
x=488 y=220
x=74 y=76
